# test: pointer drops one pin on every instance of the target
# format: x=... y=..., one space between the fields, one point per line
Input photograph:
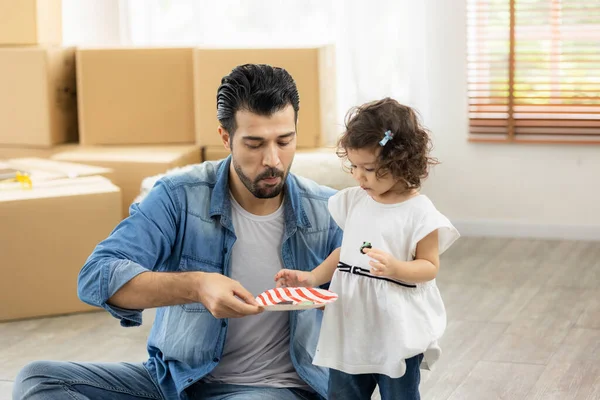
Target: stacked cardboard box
x=135 y=96
x=7 y=152
x=42 y=170
x=48 y=230
x=30 y=22
x=131 y=164
x=135 y=112
x=38 y=106
x=71 y=101
x=52 y=220
x=38 y=97
x=46 y=235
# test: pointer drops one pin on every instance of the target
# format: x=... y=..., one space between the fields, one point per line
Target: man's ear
x=225 y=137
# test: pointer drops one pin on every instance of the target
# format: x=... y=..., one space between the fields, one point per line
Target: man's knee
x=34 y=378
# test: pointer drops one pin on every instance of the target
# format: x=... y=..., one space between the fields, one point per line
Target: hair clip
x=388 y=135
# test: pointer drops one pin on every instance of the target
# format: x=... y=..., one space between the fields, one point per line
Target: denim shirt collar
x=220 y=202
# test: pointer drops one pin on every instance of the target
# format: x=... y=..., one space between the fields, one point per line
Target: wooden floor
x=523 y=323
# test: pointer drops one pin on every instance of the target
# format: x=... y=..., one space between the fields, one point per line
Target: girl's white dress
x=376 y=324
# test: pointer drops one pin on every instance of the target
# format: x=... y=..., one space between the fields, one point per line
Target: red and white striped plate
x=296 y=298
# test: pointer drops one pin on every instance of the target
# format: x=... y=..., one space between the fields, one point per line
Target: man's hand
x=292 y=278
x=224 y=297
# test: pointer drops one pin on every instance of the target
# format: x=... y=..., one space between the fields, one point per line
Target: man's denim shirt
x=184 y=224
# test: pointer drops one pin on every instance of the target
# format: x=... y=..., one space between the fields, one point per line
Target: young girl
x=389 y=314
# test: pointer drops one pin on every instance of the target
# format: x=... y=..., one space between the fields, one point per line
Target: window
x=534 y=70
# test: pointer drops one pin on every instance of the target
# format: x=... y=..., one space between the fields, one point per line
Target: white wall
x=91 y=22
x=500 y=189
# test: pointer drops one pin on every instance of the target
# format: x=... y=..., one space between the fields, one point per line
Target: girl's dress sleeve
x=339 y=205
x=431 y=221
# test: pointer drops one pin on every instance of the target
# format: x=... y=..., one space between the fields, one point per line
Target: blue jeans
x=344 y=386
x=51 y=380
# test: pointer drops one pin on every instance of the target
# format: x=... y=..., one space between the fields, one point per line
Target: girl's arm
x=324 y=272
x=317 y=277
x=423 y=268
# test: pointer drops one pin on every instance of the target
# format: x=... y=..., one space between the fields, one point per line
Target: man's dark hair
x=258 y=88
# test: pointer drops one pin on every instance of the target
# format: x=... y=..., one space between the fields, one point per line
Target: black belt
x=365 y=272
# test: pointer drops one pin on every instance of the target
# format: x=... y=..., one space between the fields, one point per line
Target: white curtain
x=380 y=44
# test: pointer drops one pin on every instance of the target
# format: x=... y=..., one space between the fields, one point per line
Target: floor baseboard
x=492 y=228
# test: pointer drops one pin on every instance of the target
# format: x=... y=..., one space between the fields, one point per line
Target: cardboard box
x=38 y=104
x=7 y=152
x=213 y=153
x=26 y=22
x=132 y=164
x=135 y=96
x=46 y=235
x=41 y=170
x=312 y=69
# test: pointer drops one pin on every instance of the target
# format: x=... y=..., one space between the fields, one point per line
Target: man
x=200 y=246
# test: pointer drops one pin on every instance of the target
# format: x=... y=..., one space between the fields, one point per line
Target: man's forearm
x=156 y=289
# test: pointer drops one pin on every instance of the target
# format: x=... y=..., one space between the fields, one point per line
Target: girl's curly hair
x=406 y=155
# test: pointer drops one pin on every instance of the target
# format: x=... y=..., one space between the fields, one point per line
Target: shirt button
x=215 y=359
x=223 y=324
x=225 y=251
x=190 y=380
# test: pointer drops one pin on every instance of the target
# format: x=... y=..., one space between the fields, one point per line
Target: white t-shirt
x=256 y=350
x=376 y=324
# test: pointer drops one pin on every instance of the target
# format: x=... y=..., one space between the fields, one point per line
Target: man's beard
x=253 y=186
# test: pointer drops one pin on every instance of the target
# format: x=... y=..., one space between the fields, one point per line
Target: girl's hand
x=293 y=278
x=382 y=263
